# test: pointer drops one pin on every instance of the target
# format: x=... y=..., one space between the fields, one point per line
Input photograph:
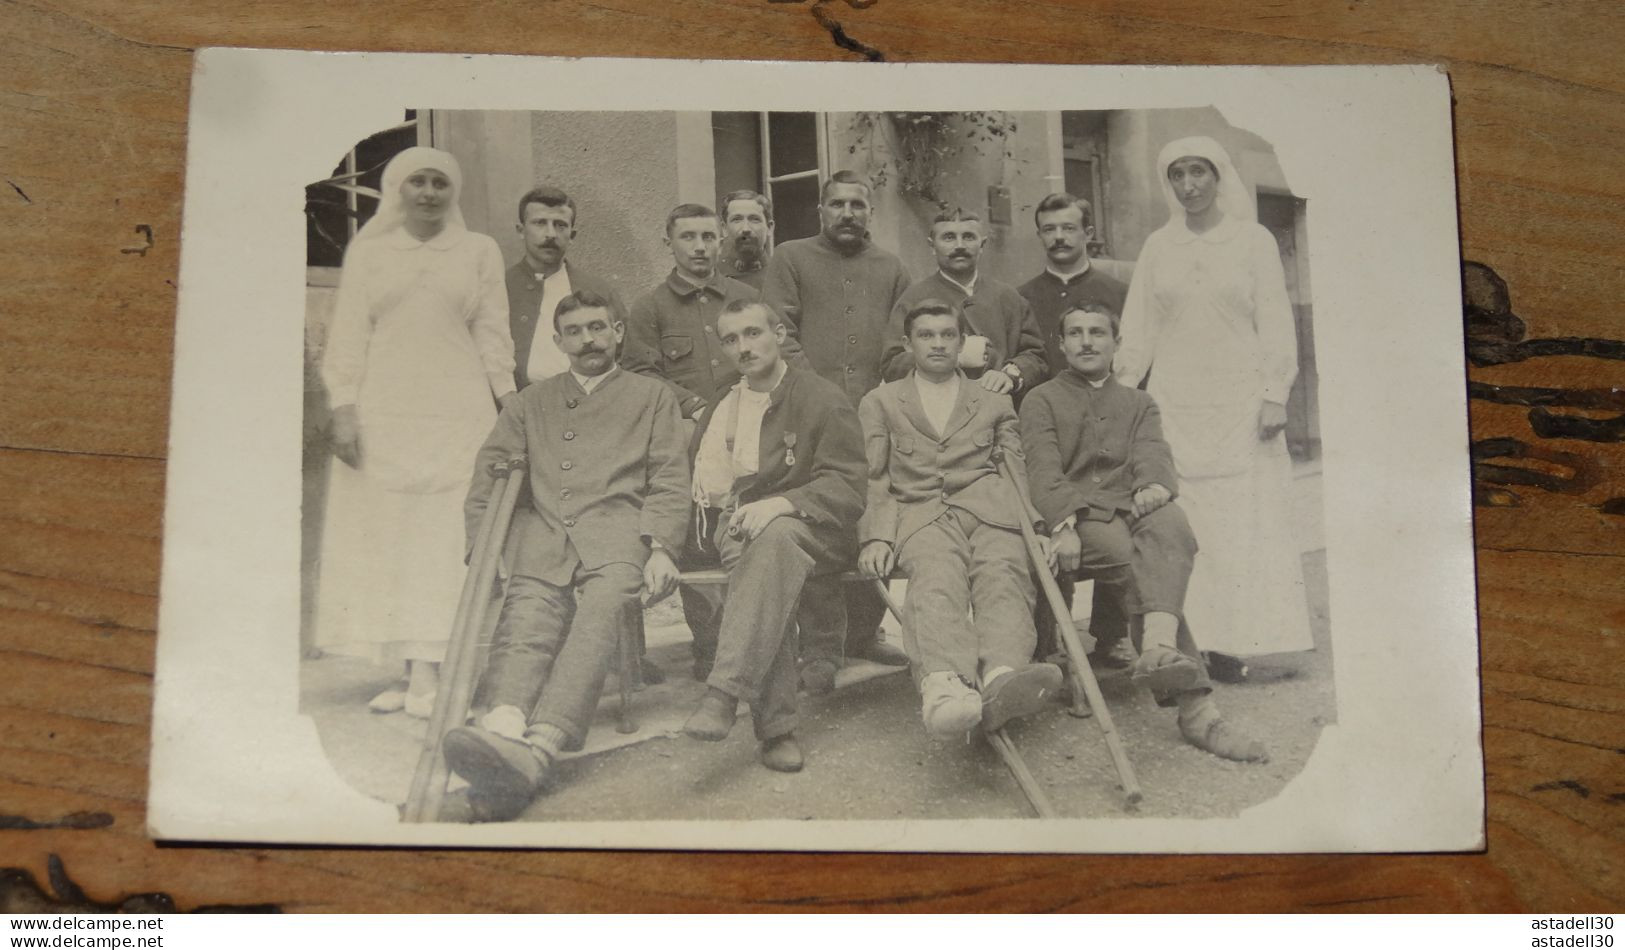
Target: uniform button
x=702 y=298
x=565 y=465
x=568 y=436
x=847 y=281
x=714 y=363
x=570 y=403
x=852 y=339
x=564 y=493
x=1094 y=478
x=569 y=522
x=1063 y=293
x=710 y=329
x=850 y=371
x=850 y=309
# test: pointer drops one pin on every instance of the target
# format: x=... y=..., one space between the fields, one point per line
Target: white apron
x=1214 y=326
x=392 y=568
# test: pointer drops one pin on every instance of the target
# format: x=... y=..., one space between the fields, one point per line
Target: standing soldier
x=835 y=292
x=672 y=333
x=747 y=221
x=1004 y=350
x=542 y=278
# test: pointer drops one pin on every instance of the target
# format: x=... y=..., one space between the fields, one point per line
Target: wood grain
x=92 y=132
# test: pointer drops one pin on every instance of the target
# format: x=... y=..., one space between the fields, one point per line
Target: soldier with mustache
x=606 y=513
x=673 y=328
x=1004 y=352
x=1066 y=225
x=542 y=278
x=747 y=222
x=835 y=292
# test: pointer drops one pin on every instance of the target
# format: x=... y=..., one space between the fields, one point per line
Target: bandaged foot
x=948 y=706
x=1164 y=670
x=1202 y=726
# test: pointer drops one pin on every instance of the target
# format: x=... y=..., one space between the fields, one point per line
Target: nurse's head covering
x=391 y=212
x=1233 y=198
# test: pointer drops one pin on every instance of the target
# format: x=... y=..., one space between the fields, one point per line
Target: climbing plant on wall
x=919 y=149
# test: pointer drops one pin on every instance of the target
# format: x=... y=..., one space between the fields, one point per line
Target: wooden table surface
x=93 y=98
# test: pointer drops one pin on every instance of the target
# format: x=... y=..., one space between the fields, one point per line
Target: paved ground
x=867 y=755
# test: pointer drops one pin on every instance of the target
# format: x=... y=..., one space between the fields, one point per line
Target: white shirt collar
x=589 y=383
x=926 y=385
x=969 y=289
x=1068 y=278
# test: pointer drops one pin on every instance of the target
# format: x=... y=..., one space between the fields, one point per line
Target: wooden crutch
x=997 y=738
x=457 y=671
x=1083 y=676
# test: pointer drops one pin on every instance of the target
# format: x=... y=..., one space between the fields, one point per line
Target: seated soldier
x=608 y=479
x=939 y=510
x=1103 y=476
x=778 y=480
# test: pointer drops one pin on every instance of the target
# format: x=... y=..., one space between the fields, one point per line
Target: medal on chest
x=789 y=450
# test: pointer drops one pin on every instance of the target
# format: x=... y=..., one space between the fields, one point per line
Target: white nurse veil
x=1234 y=198
x=391 y=212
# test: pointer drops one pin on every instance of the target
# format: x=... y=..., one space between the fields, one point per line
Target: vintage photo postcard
x=657 y=454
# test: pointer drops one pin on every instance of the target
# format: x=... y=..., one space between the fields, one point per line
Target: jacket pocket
x=984 y=439
x=676 y=348
x=904 y=445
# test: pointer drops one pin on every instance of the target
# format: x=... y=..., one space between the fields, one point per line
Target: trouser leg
x=529 y=633
x=702 y=606
x=1106 y=556
x=756 y=646
x=1164 y=551
x=1049 y=635
x=1002 y=593
x=1108 y=622
x=937 y=632
x=606 y=608
x=864 y=610
x=822 y=618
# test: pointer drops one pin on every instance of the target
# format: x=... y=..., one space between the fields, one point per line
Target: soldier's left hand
x=659 y=575
x=752 y=519
x=994 y=380
x=1150 y=498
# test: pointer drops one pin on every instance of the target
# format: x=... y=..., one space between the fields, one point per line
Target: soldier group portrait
x=804 y=418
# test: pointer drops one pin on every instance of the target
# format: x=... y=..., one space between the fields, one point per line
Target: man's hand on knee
x=659 y=575
x=1150 y=498
x=875 y=560
x=752 y=519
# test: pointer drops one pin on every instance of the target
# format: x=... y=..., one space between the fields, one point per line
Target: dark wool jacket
x=607 y=474
x=672 y=335
x=811 y=452
x=525 y=300
x=1089 y=450
x=995 y=311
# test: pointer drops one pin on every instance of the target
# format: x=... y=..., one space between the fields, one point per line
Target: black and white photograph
x=833 y=468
